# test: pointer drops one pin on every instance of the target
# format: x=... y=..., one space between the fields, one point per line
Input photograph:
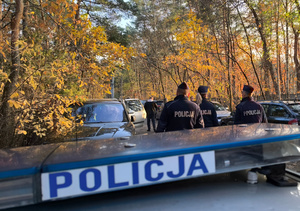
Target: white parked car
x=221 y=111
x=136 y=108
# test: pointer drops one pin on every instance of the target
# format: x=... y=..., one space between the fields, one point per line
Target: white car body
x=221 y=111
x=135 y=108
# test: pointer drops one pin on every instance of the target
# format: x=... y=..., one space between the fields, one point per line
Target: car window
x=218 y=107
x=266 y=107
x=102 y=112
x=278 y=111
x=295 y=108
x=134 y=105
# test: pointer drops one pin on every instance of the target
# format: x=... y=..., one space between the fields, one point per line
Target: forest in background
x=53 y=53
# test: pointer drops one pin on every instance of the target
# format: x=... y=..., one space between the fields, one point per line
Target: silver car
x=221 y=111
x=135 y=108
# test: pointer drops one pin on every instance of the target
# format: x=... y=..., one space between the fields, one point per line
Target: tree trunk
x=77 y=15
x=267 y=64
x=15 y=60
x=250 y=54
x=277 y=49
x=25 y=20
x=296 y=60
x=287 y=54
x=1 y=36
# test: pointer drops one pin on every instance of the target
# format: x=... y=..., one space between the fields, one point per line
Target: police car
x=190 y=169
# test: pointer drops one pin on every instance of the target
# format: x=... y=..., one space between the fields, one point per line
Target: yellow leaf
x=13 y=103
x=22 y=132
x=15 y=95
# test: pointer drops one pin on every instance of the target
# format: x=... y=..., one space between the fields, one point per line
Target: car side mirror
x=132 y=118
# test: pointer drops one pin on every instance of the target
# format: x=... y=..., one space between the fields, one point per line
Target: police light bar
x=90 y=167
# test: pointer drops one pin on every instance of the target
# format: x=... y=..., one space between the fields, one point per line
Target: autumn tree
x=58 y=58
x=5 y=111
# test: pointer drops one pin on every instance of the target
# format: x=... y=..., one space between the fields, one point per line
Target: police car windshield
x=295 y=108
x=102 y=112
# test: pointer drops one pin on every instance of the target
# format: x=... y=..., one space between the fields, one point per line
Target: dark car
x=102 y=119
x=283 y=112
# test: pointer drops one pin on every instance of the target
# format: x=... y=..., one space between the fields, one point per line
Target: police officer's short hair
x=182 y=91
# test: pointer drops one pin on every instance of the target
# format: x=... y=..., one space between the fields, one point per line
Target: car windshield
x=219 y=107
x=295 y=108
x=102 y=112
x=134 y=105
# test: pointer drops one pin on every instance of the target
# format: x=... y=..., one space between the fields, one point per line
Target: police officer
x=249 y=111
x=181 y=113
x=207 y=109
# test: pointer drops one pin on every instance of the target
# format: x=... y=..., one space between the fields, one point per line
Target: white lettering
x=252 y=112
x=118 y=176
x=206 y=112
x=184 y=114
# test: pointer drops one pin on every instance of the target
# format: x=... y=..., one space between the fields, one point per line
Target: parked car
x=136 y=108
x=102 y=119
x=221 y=111
x=284 y=112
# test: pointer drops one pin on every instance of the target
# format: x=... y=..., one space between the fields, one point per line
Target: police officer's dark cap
x=248 y=89
x=183 y=85
x=203 y=89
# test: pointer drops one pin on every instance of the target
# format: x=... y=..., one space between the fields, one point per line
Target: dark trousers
x=153 y=122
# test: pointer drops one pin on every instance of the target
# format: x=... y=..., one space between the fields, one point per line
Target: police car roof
x=103 y=152
x=211 y=192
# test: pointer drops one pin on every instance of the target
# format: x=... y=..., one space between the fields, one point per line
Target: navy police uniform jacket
x=209 y=114
x=249 y=111
x=180 y=114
